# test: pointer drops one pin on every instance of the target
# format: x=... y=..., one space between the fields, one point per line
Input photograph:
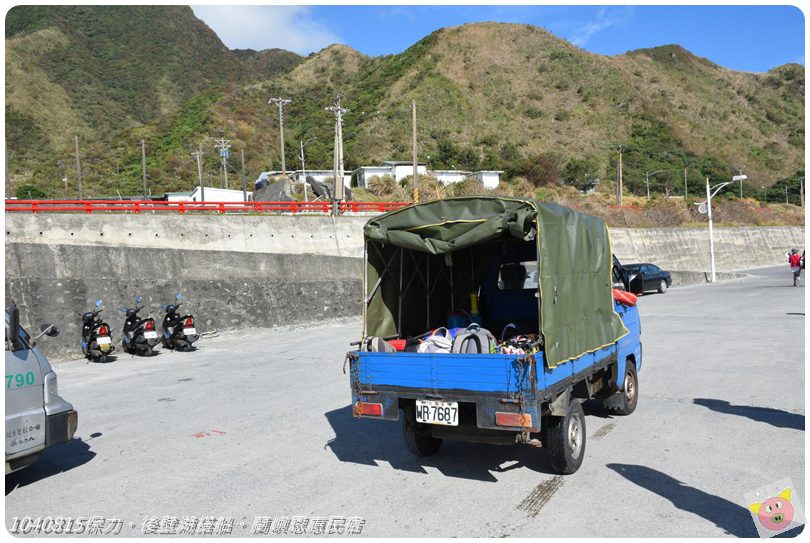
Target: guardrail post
x=35 y=207
x=221 y=207
x=181 y=207
x=88 y=208
x=137 y=206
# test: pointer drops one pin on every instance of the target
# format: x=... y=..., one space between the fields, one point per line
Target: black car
x=653 y=277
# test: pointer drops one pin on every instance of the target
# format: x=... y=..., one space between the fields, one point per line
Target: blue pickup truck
x=541 y=278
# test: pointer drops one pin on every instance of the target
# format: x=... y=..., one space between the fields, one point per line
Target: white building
x=365 y=173
x=215 y=195
x=401 y=169
x=490 y=178
x=447 y=177
x=398 y=169
x=178 y=196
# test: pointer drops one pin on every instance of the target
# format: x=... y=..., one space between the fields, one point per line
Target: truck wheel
x=566 y=439
x=662 y=287
x=420 y=445
x=625 y=401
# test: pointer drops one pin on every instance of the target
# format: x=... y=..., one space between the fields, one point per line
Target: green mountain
x=94 y=71
x=489 y=95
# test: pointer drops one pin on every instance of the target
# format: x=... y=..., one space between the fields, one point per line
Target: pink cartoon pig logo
x=774 y=514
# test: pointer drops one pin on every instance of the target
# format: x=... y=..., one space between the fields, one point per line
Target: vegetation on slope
x=489 y=96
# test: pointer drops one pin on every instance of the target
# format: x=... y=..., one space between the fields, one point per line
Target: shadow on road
x=731 y=517
x=364 y=441
x=774 y=417
x=53 y=461
x=596 y=408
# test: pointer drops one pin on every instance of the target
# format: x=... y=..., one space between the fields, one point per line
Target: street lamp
x=303 y=165
x=710 y=193
x=648 y=175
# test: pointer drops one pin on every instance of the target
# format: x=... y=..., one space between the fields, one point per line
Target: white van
x=36 y=416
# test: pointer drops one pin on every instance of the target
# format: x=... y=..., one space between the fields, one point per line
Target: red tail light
x=149 y=325
x=523 y=420
x=189 y=323
x=372 y=409
x=103 y=331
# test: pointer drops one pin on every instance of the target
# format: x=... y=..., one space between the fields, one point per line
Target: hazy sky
x=751 y=38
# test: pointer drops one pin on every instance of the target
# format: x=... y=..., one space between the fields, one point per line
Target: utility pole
x=281 y=102
x=244 y=177
x=415 y=170
x=224 y=151
x=199 y=154
x=711 y=233
x=647 y=182
x=8 y=184
x=685 y=186
x=338 y=153
x=143 y=166
x=786 y=195
x=619 y=178
x=740 y=168
x=801 y=190
x=78 y=169
x=647 y=175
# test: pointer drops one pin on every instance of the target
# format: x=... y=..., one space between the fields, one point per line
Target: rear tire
x=420 y=445
x=625 y=401
x=662 y=287
x=566 y=439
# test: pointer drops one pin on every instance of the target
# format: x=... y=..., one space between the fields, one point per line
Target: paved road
x=721 y=412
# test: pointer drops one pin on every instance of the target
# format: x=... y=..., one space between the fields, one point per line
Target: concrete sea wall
x=245 y=271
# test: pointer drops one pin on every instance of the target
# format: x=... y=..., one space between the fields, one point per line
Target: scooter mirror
x=163 y=306
x=122 y=309
x=98 y=303
x=177 y=296
x=138 y=299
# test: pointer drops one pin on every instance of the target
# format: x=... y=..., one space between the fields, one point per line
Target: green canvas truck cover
x=576 y=311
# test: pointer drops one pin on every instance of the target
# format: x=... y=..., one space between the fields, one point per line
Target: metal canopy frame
x=419 y=261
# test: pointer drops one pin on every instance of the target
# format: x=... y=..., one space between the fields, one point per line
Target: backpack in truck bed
x=474 y=340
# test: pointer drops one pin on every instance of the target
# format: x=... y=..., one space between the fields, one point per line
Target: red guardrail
x=140 y=206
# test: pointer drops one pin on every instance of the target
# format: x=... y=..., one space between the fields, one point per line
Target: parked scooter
x=140 y=334
x=96 y=335
x=178 y=331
